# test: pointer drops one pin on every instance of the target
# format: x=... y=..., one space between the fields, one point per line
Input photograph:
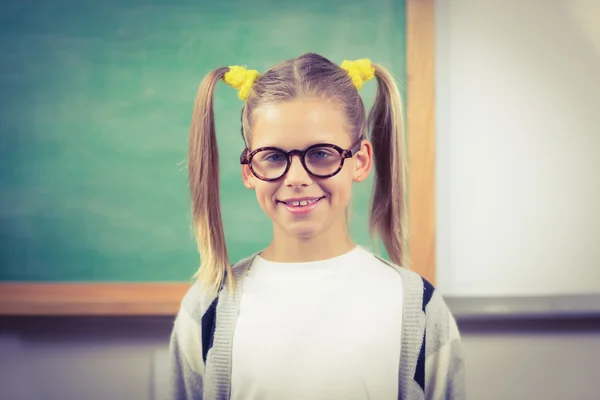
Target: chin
x=303 y=232
x=308 y=228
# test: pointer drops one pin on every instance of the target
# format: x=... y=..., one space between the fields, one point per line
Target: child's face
x=296 y=125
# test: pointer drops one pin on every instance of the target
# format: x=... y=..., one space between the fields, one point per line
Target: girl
x=312 y=316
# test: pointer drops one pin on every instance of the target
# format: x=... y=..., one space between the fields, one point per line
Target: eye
x=274 y=157
x=322 y=154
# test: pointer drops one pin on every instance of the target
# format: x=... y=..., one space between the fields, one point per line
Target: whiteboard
x=518 y=155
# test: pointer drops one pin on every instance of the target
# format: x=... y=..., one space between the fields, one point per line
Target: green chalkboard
x=96 y=100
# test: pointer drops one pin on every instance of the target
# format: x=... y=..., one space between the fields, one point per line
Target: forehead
x=298 y=124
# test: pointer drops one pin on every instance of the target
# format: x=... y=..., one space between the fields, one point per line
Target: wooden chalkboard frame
x=156 y=298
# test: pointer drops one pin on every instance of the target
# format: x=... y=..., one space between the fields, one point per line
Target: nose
x=297 y=175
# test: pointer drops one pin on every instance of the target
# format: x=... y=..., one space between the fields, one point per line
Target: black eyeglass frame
x=246 y=158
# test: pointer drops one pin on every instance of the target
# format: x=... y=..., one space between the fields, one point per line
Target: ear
x=363 y=161
x=248 y=177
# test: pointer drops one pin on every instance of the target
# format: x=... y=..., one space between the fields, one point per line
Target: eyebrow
x=302 y=148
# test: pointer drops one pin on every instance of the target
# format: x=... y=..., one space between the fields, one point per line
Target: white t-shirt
x=326 y=330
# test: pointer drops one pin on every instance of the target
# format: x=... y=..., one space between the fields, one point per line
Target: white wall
x=532 y=361
x=81 y=358
x=518 y=146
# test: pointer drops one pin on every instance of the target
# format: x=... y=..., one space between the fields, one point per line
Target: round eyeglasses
x=321 y=160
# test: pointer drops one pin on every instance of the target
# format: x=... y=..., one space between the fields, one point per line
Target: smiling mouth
x=301 y=203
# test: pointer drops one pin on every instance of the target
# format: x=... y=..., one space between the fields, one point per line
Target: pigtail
x=203 y=167
x=388 y=208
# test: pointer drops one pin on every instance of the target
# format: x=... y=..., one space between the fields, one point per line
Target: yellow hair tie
x=359 y=71
x=241 y=79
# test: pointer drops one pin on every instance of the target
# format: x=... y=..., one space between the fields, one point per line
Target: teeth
x=301 y=203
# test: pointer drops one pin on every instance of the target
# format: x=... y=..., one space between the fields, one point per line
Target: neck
x=330 y=244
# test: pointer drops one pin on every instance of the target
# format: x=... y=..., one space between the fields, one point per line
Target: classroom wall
x=513 y=77
x=518 y=138
x=518 y=196
x=80 y=358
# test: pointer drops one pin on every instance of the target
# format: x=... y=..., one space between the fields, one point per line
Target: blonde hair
x=314 y=76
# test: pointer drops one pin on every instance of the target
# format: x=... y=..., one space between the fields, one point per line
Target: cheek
x=340 y=190
x=265 y=193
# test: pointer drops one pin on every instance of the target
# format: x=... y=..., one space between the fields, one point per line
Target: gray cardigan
x=431 y=359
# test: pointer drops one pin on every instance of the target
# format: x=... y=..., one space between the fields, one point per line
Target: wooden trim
x=91 y=299
x=420 y=62
x=156 y=299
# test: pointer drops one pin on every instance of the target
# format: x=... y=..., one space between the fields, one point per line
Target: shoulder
x=198 y=301
x=193 y=310
x=195 y=300
x=440 y=361
x=432 y=339
x=241 y=267
x=195 y=322
x=423 y=302
x=186 y=337
x=429 y=301
x=416 y=288
x=198 y=306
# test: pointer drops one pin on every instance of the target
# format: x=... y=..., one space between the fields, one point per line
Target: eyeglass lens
x=319 y=161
